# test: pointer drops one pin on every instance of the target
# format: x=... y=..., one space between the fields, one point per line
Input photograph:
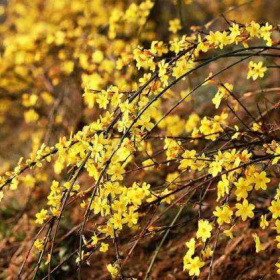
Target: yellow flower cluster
x=131 y=106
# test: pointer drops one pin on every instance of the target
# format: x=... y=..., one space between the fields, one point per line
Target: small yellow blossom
x=245 y=210
x=204 y=230
x=194 y=266
x=223 y=214
x=114 y=270
x=259 y=246
x=41 y=216
x=175 y=25
x=104 y=247
x=275 y=208
x=39 y=244
x=264 y=222
x=31 y=116
x=256 y=70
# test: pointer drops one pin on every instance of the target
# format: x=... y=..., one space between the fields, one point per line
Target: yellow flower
x=213 y=38
x=144 y=59
x=47 y=97
x=223 y=214
x=223 y=187
x=102 y=100
x=116 y=171
x=146 y=77
x=41 y=216
x=222 y=92
x=194 y=266
x=114 y=270
x=191 y=247
x=259 y=246
x=243 y=186
x=256 y=70
x=97 y=56
x=145 y=122
x=261 y=180
x=257 y=127
x=215 y=168
x=207 y=253
x=264 y=222
x=229 y=233
x=131 y=218
x=204 y=230
x=39 y=244
x=117 y=221
x=169 y=198
x=223 y=39
x=100 y=205
x=31 y=116
x=277 y=226
x=217 y=100
x=275 y=208
x=104 y=247
x=158 y=48
x=192 y=122
x=188 y=159
x=174 y=25
x=94 y=240
x=278 y=266
x=265 y=33
x=245 y=210
x=68 y=67
x=29 y=100
x=254 y=29
x=55 y=212
x=278 y=240
x=201 y=47
x=234 y=32
x=162 y=66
